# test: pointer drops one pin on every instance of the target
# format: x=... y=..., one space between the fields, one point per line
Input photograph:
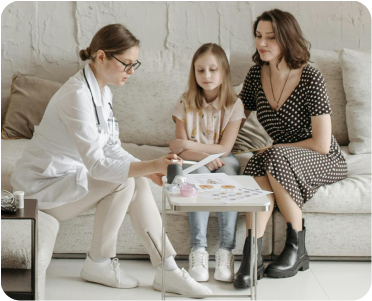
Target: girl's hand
x=177 y=146
x=156 y=178
x=161 y=164
x=215 y=164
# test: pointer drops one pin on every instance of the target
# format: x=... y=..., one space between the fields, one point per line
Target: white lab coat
x=66 y=147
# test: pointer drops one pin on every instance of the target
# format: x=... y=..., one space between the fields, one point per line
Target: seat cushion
x=16 y=242
x=330 y=234
x=351 y=195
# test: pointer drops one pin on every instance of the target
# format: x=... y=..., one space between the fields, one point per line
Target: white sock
x=98 y=259
x=169 y=264
x=198 y=249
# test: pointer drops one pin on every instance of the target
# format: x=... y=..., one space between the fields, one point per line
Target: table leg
x=253 y=267
x=164 y=224
x=33 y=258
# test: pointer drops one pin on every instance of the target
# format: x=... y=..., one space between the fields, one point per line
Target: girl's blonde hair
x=227 y=95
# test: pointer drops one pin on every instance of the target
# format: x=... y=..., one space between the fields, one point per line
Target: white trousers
x=112 y=202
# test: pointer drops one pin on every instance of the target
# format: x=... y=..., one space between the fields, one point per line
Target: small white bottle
x=19 y=198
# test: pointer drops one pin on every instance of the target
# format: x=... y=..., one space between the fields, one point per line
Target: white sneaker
x=179 y=281
x=224 y=266
x=198 y=265
x=107 y=273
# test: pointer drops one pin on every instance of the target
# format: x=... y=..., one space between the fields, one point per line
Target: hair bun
x=87 y=52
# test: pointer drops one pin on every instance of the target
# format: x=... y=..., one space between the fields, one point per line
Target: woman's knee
x=263 y=182
x=273 y=152
x=141 y=182
x=130 y=184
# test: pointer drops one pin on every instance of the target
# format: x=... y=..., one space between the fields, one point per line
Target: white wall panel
x=43 y=38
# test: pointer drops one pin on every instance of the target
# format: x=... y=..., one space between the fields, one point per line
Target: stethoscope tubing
x=94 y=104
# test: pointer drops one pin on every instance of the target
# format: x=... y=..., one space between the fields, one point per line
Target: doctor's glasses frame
x=127 y=66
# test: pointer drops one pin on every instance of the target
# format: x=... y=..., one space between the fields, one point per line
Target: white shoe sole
x=91 y=278
x=224 y=279
x=173 y=290
x=198 y=278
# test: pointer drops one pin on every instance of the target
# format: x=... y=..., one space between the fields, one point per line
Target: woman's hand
x=156 y=178
x=177 y=146
x=215 y=164
x=161 y=164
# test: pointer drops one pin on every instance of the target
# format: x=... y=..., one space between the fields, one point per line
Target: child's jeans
x=226 y=220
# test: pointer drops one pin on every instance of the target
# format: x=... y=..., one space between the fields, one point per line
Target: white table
x=185 y=204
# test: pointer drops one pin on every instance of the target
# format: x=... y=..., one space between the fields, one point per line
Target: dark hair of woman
x=294 y=47
x=113 y=39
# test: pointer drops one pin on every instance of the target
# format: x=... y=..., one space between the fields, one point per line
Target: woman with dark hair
x=75 y=162
x=292 y=105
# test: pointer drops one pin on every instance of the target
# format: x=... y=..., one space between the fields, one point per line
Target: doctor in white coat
x=75 y=162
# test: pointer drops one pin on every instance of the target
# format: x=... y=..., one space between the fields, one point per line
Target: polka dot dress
x=299 y=170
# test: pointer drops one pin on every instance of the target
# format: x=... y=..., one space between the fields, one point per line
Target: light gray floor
x=325 y=280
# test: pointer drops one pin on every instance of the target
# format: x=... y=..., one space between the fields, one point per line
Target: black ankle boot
x=294 y=256
x=242 y=278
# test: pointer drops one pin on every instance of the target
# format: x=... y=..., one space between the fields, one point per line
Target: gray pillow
x=252 y=135
x=29 y=97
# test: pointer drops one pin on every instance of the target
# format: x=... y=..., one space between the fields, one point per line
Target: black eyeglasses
x=127 y=66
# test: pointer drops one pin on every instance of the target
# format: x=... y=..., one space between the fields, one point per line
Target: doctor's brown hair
x=113 y=39
x=194 y=95
x=288 y=34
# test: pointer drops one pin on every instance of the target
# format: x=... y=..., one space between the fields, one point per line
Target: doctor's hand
x=156 y=178
x=161 y=164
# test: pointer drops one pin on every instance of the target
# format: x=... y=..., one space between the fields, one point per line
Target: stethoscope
x=95 y=109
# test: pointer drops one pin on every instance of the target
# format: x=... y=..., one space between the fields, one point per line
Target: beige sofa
x=338 y=218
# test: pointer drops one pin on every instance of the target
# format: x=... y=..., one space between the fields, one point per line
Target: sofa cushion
x=16 y=242
x=330 y=234
x=75 y=236
x=252 y=135
x=144 y=106
x=28 y=100
x=351 y=195
x=11 y=151
x=327 y=62
x=356 y=73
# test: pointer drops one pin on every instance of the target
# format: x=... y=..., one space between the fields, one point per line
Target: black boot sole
x=240 y=283
x=273 y=273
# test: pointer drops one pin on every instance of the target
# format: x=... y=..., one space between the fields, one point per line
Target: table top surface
x=187 y=204
x=28 y=212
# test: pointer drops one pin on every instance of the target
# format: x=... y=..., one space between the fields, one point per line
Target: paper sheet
x=212 y=182
x=240 y=194
x=201 y=163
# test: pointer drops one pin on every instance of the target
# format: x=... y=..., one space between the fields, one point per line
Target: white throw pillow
x=356 y=73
